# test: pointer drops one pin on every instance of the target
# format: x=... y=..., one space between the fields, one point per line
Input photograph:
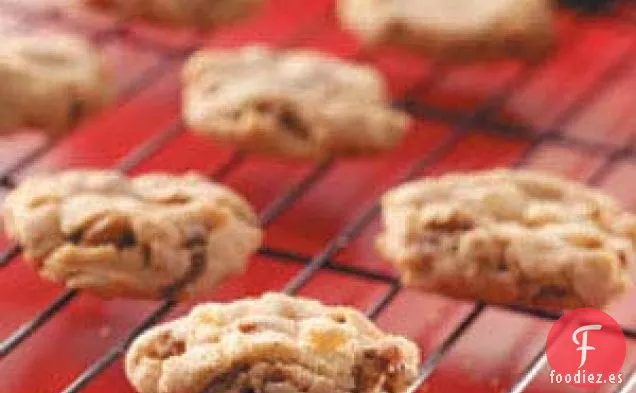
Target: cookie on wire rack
x=49 y=82
x=509 y=237
x=292 y=103
x=453 y=30
x=275 y=343
x=151 y=236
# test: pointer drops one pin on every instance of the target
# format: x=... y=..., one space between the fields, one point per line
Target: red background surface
x=570 y=114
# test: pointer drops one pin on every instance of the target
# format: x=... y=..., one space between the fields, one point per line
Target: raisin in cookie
x=197 y=13
x=295 y=103
x=147 y=237
x=272 y=344
x=453 y=29
x=513 y=237
x=49 y=82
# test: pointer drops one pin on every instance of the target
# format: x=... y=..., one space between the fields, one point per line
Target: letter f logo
x=583 y=344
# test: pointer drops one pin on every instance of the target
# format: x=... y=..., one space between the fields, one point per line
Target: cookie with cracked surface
x=145 y=237
x=453 y=30
x=49 y=82
x=275 y=343
x=292 y=103
x=509 y=237
x=195 y=13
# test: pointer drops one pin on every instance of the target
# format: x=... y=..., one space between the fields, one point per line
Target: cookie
x=151 y=236
x=275 y=343
x=49 y=82
x=509 y=237
x=293 y=103
x=453 y=30
x=196 y=13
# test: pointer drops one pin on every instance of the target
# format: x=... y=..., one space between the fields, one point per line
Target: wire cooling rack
x=570 y=113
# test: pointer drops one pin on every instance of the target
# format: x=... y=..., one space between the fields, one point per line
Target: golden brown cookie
x=197 y=13
x=294 y=103
x=272 y=344
x=49 y=82
x=150 y=236
x=453 y=29
x=512 y=237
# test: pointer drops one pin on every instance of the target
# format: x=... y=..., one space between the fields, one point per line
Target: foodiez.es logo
x=586 y=348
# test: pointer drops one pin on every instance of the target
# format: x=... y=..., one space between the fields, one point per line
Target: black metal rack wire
x=460 y=124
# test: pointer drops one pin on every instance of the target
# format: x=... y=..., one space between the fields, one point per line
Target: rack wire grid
x=570 y=113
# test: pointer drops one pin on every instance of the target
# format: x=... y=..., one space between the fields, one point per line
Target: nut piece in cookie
x=49 y=82
x=151 y=236
x=295 y=103
x=195 y=13
x=509 y=237
x=275 y=343
x=454 y=29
